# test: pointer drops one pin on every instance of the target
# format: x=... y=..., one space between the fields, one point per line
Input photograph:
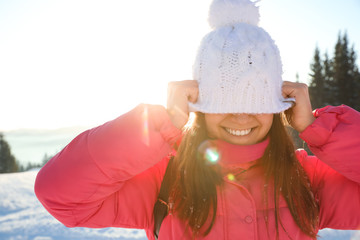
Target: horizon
x=31 y=145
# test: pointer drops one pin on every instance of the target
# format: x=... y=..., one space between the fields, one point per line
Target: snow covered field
x=22 y=217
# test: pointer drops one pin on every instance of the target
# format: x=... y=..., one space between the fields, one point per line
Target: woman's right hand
x=179 y=94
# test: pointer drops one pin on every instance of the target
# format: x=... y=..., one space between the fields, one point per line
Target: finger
x=287 y=89
x=187 y=88
x=183 y=83
x=294 y=90
x=193 y=94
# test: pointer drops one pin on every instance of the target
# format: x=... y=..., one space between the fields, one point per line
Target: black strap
x=161 y=208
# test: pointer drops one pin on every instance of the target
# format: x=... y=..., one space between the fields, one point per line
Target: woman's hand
x=300 y=115
x=179 y=94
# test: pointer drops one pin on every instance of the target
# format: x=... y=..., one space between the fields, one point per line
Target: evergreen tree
x=335 y=81
x=316 y=88
x=7 y=160
x=30 y=165
x=329 y=87
x=355 y=83
x=340 y=67
x=346 y=74
x=45 y=159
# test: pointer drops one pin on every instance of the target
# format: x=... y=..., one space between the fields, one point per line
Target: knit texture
x=238 y=65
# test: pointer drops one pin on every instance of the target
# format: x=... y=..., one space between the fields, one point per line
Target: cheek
x=266 y=131
x=212 y=125
x=266 y=123
x=210 y=128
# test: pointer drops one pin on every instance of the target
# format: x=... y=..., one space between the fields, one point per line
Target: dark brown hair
x=194 y=190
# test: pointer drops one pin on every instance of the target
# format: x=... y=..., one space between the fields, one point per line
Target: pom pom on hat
x=238 y=66
x=230 y=12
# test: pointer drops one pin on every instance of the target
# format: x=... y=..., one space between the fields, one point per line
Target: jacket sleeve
x=334 y=138
x=110 y=176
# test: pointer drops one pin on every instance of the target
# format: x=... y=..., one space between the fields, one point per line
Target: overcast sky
x=83 y=62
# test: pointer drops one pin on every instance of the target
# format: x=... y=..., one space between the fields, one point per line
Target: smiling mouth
x=237 y=132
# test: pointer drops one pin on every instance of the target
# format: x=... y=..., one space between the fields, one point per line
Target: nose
x=241 y=117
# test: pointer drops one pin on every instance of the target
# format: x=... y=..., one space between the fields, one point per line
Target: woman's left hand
x=300 y=115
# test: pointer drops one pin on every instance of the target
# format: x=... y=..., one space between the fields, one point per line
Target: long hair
x=194 y=191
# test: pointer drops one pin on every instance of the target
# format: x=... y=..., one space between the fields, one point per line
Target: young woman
x=234 y=172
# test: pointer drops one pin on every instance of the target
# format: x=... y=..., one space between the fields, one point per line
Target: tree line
x=334 y=81
x=8 y=162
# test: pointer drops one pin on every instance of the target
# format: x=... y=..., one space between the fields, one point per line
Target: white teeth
x=238 y=132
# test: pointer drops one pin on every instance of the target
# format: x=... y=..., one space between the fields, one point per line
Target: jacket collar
x=230 y=154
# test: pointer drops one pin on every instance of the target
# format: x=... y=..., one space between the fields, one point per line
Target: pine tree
x=316 y=88
x=340 y=68
x=329 y=87
x=355 y=83
x=45 y=159
x=335 y=81
x=346 y=73
x=7 y=160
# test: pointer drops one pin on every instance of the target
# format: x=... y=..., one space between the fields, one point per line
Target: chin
x=235 y=141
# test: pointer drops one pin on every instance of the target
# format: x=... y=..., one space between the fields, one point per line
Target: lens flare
x=208 y=151
x=145 y=133
x=212 y=155
x=231 y=177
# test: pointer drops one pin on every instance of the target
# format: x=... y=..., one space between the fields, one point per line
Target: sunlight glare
x=212 y=155
x=231 y=177
x=145 y=131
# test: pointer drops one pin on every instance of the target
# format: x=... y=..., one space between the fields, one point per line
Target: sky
x=83 y=62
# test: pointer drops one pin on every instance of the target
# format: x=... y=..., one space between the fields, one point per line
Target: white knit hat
x=238 y=65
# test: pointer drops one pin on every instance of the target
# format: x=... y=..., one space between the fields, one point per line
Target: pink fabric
x=238 y=154
x=110 y=176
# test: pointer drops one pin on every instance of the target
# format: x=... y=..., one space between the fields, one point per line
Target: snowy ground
x=23 y=218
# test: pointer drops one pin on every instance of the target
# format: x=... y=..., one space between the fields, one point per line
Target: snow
x=22 y=217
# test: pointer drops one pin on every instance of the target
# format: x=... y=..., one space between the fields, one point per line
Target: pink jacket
x=110 y=176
